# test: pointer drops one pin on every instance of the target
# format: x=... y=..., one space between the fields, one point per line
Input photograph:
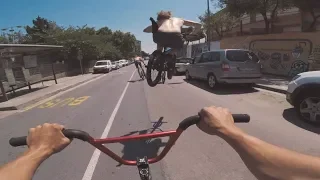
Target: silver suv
x=225 y=66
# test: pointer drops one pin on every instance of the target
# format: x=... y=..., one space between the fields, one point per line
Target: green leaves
x=94 y=44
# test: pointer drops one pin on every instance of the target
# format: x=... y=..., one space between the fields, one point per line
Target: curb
x=10 y=108
x=271 y=88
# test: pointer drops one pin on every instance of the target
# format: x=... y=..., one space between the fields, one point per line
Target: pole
x=209 y=26
x=54 y=74
x=4 y=94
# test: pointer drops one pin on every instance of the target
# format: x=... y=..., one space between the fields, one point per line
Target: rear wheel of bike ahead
x=154 y=69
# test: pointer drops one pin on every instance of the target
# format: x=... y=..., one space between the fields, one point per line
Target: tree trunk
x=315 y=18
x=267 y=23
x=273 y=16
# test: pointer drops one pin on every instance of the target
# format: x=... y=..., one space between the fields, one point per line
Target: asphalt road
x=119 y=104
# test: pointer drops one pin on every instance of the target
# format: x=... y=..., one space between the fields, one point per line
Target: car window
x=205 y=57
x=101 y=63
x=185 y=60
x=197 y=59
x=215 y=56
x=241 y=56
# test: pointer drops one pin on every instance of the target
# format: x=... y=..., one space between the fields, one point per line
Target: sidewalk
x=43 y=90
x=274 y=83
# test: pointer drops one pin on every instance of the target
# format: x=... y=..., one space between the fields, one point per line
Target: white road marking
x=95 y=156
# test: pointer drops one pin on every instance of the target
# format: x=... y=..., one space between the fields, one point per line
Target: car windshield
x=113 y=63
x=184 y=60
x=241 y=56
x=101 y=63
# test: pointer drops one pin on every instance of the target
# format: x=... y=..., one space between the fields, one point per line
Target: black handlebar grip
x=192 y=120
x=241 y=118
x=18 y=141
x=69 y=133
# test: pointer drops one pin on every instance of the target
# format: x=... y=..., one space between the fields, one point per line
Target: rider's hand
x=216 y=120
x=48 y=138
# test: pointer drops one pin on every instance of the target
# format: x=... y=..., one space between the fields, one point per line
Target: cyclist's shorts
x=172 y=40
x=137 y=63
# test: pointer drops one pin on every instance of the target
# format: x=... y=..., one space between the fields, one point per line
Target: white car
x=181 y=64
x=304 y=94
x=104 y=66
x=123 y=62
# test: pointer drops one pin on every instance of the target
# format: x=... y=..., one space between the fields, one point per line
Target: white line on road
x=95 y=156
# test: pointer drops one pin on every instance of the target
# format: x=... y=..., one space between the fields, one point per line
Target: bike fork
x=143 y=168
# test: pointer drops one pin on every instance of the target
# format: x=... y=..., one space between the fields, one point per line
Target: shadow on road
x=175 y=83
x=141 y=148
x=223 y=89
x=291 y=116
x=138 y=80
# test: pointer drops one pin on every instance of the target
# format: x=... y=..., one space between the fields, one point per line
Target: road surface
x=119 y=104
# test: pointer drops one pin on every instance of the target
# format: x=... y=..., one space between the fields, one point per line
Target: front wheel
x=188 y=77
x=212 y=81
x=154 y=64
x=308 y=107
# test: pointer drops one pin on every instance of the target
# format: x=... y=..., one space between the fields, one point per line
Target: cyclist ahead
x=264 y=160
x=137 y=62
x=169 y=35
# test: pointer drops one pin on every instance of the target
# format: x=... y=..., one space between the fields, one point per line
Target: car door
x=213 y=65
x=192 y=67
x=201 y=65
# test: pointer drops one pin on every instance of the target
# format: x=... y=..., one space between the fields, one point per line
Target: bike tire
x=153 y=83
x=140 y=74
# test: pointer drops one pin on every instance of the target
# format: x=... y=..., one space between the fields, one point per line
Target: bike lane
x=88 y=108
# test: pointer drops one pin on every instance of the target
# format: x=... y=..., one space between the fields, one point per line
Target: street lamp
x=208 y=25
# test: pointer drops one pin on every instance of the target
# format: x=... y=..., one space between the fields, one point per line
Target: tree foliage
x=310 y=6
x=238 y=8
x=221 y=22
x=93 y=44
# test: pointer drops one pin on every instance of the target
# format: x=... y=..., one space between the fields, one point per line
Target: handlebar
x=84 y=136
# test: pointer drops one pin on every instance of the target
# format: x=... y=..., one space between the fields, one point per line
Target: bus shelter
x=22 y=65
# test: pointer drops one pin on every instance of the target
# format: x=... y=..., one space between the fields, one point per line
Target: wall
x=284 y=54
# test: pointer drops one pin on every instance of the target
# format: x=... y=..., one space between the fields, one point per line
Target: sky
x=125 y=15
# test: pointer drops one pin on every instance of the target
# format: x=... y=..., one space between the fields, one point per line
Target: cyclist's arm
x=43 y=141
x=267 y=161
x=24 y=167
x=148 y=29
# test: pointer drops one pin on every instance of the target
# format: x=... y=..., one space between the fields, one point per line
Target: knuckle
x=46 y=125
x=31 y=130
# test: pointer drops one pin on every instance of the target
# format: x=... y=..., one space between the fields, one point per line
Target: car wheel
x=308 y=107
x=212 y=81
x=188 y=77
x=250 y=85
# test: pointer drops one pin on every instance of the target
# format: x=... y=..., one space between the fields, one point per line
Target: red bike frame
x=98 y=143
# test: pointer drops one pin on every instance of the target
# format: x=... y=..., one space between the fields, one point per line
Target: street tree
x=312 y=7
x=221 y=22
x=239 y=8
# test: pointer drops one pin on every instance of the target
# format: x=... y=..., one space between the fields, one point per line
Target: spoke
x=313 y=117
x=309 y=102
x=306 y=110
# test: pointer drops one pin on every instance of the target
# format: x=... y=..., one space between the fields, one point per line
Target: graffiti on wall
x=315 y=55
x=286 y=57
x=197 y=49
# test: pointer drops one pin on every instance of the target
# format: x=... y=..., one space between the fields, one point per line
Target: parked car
x=104 y=66
x=115 y=65
x=123 y=62
x=304 y=94
x=181 y=64
x=232 y=66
